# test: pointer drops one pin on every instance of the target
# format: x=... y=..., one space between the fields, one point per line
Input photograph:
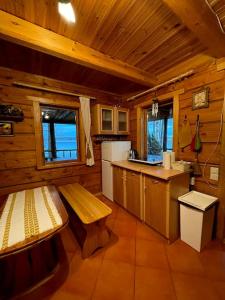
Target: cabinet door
x=107 y=119
x=118 y=185
x=133 y=193
x=122 y=121
x=155 y=192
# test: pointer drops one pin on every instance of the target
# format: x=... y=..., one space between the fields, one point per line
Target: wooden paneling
x=189 y=12
x=146 y=34
x=210 y=118
x=30 y=35
x=13 y=56
x=18 y=166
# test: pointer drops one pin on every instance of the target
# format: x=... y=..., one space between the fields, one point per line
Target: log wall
x=17 y=153
x=206 y=76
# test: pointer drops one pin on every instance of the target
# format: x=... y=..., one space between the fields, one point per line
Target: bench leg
x=97 y=236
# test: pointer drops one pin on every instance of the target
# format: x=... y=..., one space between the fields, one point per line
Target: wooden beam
x=200 y=19
x=30 y=35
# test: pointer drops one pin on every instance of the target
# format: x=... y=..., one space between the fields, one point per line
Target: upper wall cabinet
x=107 y=119
x=122 y=120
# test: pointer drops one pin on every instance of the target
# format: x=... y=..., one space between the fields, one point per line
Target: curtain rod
x=182 y=76
x=48 y=89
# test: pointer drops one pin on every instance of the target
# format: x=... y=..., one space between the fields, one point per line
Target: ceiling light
x=46 y=116
x=65 y=9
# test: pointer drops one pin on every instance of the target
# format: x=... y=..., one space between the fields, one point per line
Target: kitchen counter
x=155 y=171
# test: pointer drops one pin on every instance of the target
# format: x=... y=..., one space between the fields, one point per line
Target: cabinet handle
x=133 y=174
x=155 y=181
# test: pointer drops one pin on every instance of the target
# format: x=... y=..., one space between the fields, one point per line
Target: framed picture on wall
x=200 y=99
x=6 y=128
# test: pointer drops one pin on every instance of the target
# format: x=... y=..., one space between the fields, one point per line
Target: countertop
x=155 y=171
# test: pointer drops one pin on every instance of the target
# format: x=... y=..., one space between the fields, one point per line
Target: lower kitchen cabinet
x=118 y=185
x=152 y=199
x=133 y=192
x=155 y=199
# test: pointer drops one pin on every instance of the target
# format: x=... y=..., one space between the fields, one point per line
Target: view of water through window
x=60 y=138
x=159 y=133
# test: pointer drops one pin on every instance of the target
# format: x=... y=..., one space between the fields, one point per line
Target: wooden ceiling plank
x=198 y=17
x=183 y=67
x=176 y=58
x=100 y=14
x=84 y=15
x=38 y=38
x=105 y=33
x=125 y=27
x=165 y=49
x=158 y=37
x=142 y=32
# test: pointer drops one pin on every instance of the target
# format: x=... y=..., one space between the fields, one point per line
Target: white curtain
x=86 y=117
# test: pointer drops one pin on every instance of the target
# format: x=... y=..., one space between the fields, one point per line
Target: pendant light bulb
x=65 y=9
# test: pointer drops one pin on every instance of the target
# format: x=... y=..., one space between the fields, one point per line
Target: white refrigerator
x=112 y=151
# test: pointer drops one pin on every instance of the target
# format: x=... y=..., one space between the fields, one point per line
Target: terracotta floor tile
x=125 y=228
x=83 y=275
x=214 y=245
x=183 y=258
x=115 y=281
x=69 y=240
x=66 y=295
x=145 y=232
x=110 y=223
x=153 y=284
x=214 y=263
x=151 y=254
x=189 y=287
x=123 y=250
x=219 y=287
x=124 y=215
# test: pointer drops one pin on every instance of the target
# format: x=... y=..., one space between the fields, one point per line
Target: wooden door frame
x=221 y=210
x=140 y=119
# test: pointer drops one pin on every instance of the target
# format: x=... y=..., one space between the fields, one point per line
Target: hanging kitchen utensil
x=185 y=136
x=196 y=144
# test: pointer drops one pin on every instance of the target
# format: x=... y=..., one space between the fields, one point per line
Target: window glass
x=59 y=127
x=159 y=132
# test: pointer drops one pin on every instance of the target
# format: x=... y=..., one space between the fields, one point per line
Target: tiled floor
x=138 y=264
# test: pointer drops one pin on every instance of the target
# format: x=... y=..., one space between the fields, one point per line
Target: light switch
x=214 y=173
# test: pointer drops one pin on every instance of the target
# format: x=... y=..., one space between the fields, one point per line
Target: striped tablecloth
x=26 y=214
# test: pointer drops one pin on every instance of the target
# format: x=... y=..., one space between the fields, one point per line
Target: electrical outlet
x=214 y=173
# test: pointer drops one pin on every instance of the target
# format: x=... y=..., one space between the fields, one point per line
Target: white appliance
x=112 y=151
x=196 y=218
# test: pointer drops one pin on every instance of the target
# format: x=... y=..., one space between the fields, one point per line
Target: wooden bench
x=89 y=219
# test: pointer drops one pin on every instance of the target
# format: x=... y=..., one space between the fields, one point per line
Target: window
x=59 y=133
x=159 y=132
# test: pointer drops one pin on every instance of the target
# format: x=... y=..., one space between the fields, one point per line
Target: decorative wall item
x=6 y=129
x=11 y=113
x=200 y=99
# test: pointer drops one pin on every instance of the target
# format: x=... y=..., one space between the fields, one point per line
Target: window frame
x=165 y=120
x=142 y=120
x=41 y=163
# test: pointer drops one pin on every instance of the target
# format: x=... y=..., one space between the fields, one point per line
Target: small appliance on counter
x=133 y=154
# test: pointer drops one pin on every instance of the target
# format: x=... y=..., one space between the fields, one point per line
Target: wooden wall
x=206 y=76
x=17 y=154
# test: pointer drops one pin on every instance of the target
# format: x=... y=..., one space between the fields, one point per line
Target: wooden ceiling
x=145 y=34
x=31 y=61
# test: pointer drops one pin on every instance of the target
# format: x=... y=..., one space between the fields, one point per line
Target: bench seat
x=89 y=219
